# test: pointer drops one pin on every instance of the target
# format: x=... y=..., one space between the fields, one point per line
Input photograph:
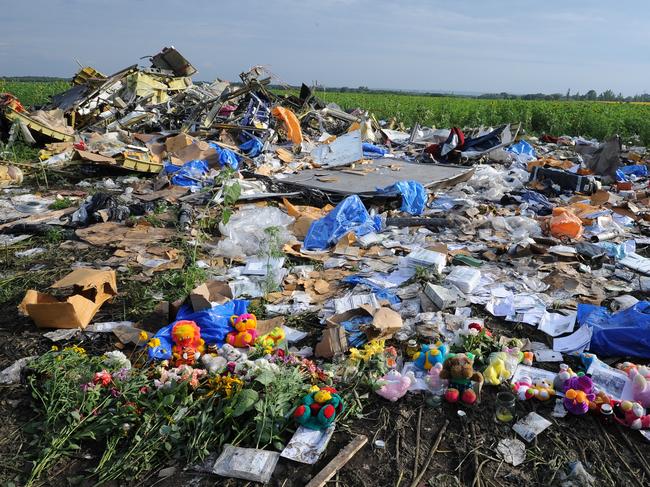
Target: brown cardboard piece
x=385 y=323
x=209 y=292
x=90 y=289
x=333 y=342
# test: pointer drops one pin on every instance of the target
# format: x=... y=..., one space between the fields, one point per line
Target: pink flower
x=103 y=378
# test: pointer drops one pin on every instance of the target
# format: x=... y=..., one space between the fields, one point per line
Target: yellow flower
x=153 y=343
x=54 y=348
x=143 y=336
x=355 y=355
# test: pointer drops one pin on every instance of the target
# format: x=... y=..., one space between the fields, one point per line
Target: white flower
x=116 y=360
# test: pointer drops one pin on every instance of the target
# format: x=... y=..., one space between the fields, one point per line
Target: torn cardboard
x=90 y=289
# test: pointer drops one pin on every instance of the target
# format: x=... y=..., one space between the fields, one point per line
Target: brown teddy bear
x=458 y=369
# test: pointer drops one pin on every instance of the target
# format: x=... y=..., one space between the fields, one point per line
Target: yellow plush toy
x=270 y=340
x=497 y=372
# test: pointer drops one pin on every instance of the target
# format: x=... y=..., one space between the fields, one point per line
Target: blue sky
x=519 y=46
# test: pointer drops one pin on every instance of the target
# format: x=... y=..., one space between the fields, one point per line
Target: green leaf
x=245 y=401
x=265 y=378
x=225 y=215
x=75 y=415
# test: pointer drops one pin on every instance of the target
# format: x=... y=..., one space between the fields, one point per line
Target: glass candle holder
x=505 y=407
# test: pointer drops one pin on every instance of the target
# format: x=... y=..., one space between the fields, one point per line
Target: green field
x=585 y=118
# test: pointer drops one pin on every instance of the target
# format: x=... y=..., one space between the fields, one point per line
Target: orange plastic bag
x=290 y=122
x=564 y=223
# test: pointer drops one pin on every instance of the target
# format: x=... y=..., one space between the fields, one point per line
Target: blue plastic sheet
x=350 y=215
x=226 y=156
x=380 y=292
x=522 y=147
x=189 y=174
x=355 y=336
x=414 y=195
x=252 y=147
x=214 y=324
x=539 y=203
x=639 y=170
x=371 y=150
x=626 y=333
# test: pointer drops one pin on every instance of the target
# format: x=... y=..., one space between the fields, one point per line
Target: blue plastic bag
x=638 y=170
x=252 y=147
x=626 y=333
x=380 y=292
x=522 y=147
x=350 y=215
x=226 y=156
x=189 y=174
x=355 y=336
x=214 y=324
x=372 y=150
x=414 y=195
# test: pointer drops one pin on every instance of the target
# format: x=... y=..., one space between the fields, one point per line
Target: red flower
x=103 y=378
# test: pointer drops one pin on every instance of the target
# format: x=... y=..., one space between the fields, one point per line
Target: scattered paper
x=555 y=324
x=512 y=451
x=246 y=463
x=614 y=382
x=307 y=445
x=531 y=426
x=576 y=342
x=533 y=373
x=548 y=356
x=11 y=375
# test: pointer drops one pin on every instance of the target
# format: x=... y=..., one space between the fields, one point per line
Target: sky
x=516 y=46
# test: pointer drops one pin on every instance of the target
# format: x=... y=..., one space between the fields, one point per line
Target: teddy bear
x=246 y=333
x=562 y=376
x=394 y=385
x=429 y=355
x=542 y=390
x=187 y=343
x=523 y=388
x=458 y=369
x=319 y=409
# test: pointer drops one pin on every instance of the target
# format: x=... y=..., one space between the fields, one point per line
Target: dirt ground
x=466 y=455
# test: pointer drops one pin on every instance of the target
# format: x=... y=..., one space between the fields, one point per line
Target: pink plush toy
x=395 y=385
x=523 y=388
x=640 y=376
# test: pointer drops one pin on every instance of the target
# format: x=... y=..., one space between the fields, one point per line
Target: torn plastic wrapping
x=189 y=174
x=414 y=195
x=350 y=215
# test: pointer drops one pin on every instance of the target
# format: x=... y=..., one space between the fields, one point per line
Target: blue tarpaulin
x=355 y=336
x=625 y=333
x=189 y=174
x=372 y=150
x=252 y=147
x=414 y=195
x=214 y=324
x=226 y=156
x=350 y=215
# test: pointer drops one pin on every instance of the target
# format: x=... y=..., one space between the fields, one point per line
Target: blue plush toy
x=429 y=355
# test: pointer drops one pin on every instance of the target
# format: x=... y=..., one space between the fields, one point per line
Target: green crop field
x=585 y=118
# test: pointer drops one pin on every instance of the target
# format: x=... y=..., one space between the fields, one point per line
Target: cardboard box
x=333 y=342
x=385 y=321
x=90 y=289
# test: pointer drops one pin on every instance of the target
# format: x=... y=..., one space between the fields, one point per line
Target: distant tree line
x=591 y=95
